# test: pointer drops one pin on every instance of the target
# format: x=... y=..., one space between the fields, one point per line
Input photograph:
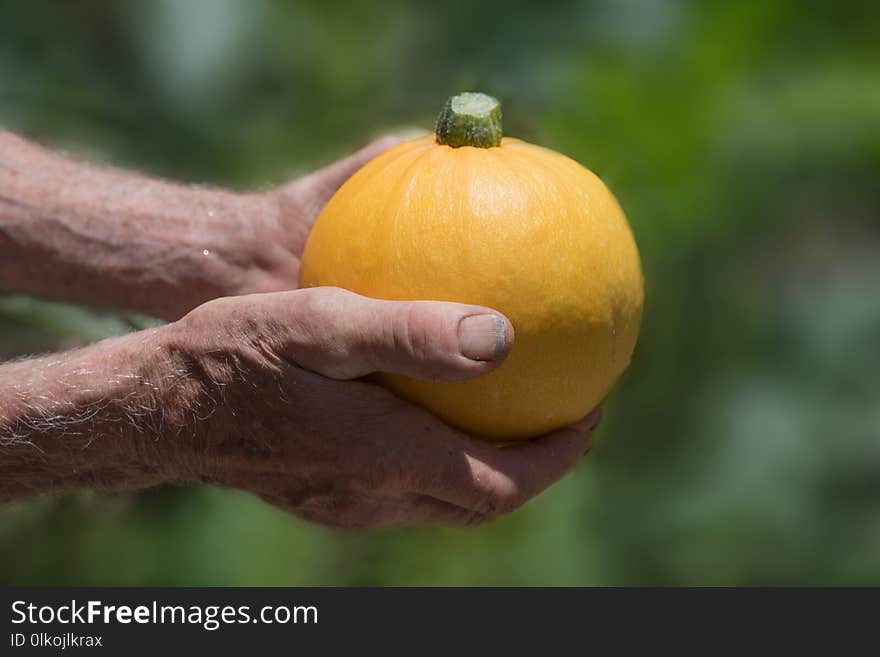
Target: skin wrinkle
x=237 y=393
x=194 y=401
x=128 y=241
x=169 y=264
x=9 y=200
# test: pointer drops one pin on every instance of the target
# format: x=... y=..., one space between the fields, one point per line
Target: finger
x=325 y=503
x=370 y=513
x=490 y=480
x=426 y=510
x=589 y=422
x=342 y=335
x=366 y=518
x=342 y=506
x=322 y=184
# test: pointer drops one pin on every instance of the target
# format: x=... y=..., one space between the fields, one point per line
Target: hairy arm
x=88 y=418
x=110 y=238
x=258 y=392
x=262 y=393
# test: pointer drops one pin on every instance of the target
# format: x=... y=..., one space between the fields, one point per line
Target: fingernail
x=589 y=422
x=483 y=337
x=582 y=426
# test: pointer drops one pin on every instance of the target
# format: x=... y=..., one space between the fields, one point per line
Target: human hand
x=112 y=238
x=282 y=231
x=268 y=387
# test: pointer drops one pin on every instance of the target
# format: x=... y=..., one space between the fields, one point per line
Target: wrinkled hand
x=282 y=233
x=281 y=413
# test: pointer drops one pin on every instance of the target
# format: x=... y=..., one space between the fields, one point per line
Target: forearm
x=98 y=417
x=110 y=238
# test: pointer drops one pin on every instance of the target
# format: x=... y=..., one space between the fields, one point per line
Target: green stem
x=470 y=119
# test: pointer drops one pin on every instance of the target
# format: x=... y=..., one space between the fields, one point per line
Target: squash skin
x=518 y=228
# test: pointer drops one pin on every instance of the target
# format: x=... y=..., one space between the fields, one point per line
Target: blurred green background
x=743 y=140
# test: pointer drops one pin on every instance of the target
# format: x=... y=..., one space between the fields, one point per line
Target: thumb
x=323 y=183
x=343 y=335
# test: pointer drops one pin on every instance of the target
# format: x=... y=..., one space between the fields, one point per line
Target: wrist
x=225 y=246
x=257 y=251
x=109 y=238
x=184 y=389
x=90 y=418
x=228 y=389
x=199 y=386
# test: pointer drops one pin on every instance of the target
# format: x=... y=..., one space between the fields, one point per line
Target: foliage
x=742 y=447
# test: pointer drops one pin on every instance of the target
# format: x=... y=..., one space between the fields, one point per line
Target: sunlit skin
x=249 y=386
